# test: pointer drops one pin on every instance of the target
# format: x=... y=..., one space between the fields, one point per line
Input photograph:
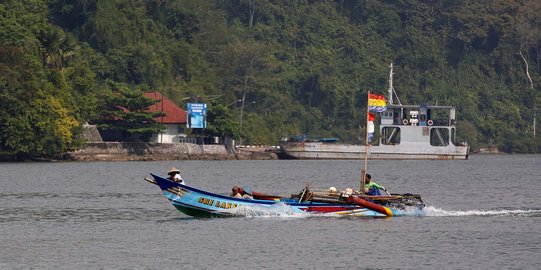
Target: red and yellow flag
x=376 y=103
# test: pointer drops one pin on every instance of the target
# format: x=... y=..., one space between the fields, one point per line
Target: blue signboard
x=197 y=115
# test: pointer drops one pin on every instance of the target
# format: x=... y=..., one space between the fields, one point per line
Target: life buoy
x=430 y=122
x=405 y=121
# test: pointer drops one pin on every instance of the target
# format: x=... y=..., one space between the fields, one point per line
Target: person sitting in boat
x=246 y=193
x=372 y=188
x=242 y=192
x=174 y=175
x=236 y=192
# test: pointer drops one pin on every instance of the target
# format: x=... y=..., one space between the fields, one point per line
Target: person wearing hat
x=372 y=188
x=236 y=192
x=242 y=192
x=174 y=175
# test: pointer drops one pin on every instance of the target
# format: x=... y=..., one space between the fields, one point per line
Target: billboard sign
x=197 y=115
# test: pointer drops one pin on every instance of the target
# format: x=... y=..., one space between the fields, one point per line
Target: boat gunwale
x=288 y=201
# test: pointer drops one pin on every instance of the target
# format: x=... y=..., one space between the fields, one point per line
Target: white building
x=174 y=119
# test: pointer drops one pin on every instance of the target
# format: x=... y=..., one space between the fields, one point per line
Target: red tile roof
x=173 y=113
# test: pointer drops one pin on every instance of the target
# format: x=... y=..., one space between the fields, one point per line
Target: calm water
x=483 y=213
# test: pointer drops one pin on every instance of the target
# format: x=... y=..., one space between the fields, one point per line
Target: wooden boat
x=196 y=202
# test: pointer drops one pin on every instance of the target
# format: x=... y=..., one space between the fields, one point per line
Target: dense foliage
x=306 y=64
x=125 y=116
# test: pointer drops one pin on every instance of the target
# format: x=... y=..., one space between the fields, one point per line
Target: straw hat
x=173 y=171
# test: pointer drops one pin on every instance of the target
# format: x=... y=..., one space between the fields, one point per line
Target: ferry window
x=396 y=118
x=439 y=137
x=390 y=135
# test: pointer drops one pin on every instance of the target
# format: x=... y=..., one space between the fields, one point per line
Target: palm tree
x=59 y=48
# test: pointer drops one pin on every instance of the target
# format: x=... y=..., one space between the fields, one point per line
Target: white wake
x=438 y=212
x=284 y=210
x=275 y=210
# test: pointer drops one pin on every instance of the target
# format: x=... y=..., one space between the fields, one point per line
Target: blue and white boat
x=196 y=202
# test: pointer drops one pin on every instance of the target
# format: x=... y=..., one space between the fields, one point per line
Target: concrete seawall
x=148 y=151
x=118 y=151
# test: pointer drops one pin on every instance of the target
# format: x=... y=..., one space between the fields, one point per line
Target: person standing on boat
x=372 y=188
x=174 y=175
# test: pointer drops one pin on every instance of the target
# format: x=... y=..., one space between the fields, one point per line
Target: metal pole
x=390 y=90
x=366 y=147
x=161 y=133
x=534 y=114
x=241 y=118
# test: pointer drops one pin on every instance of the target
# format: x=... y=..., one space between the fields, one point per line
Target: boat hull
x=200 y=203
x=415 y=151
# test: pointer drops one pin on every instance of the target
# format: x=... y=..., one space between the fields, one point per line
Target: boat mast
x=366 y=146
x=391 y=88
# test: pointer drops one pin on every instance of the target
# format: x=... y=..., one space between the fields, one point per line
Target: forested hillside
x=299 y=67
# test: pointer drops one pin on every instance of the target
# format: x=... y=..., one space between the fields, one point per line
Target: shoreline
x=240 y=155
x=138 y=151
x=117 y=151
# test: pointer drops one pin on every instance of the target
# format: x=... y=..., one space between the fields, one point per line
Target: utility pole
x=161 y=133
x=534 y=114
x=531 y=86
x=241 y=117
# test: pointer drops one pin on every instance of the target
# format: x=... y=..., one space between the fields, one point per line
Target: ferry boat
x=406 y=132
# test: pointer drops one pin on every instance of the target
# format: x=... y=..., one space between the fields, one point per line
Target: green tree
x=34 y=122
x=59 y=47
x=307 y=64
x=221 y=122
x=38 y=117
x=125 y=114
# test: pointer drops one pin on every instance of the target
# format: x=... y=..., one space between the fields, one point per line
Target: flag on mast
x=376 y=103
x=370 y=126
x=371 y=117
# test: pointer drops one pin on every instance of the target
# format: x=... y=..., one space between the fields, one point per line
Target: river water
x=482 y=213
